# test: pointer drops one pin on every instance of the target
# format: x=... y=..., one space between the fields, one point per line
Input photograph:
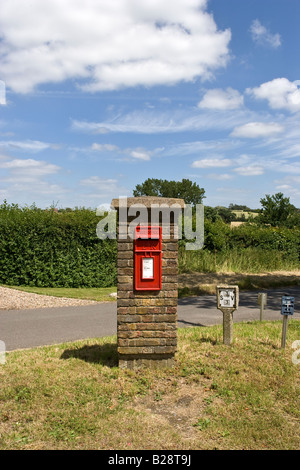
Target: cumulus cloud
x=221 y=99
x=261 y=35
x=280 y=93
x=254 y=130
x=108 y=45
x=29 y=168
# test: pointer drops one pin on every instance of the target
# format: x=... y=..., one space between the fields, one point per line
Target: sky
x=98 y=96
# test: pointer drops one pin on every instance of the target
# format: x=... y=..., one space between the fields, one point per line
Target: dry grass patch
x=73 y=395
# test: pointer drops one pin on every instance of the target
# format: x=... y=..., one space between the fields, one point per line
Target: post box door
x=147 y=258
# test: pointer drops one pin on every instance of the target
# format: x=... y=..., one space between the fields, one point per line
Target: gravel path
x=13 y=299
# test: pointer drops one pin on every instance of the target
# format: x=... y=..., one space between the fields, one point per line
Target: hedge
x=46 y=248
x=50 y=249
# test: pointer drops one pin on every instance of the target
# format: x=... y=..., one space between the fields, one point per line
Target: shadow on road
x=105 y=354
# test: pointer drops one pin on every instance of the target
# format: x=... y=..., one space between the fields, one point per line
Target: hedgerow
x=54 y=249
x=46 y=248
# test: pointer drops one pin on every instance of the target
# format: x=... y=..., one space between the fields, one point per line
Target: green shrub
x=50 y=249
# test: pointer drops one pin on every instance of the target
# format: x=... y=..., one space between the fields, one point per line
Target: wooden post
x=284 y=330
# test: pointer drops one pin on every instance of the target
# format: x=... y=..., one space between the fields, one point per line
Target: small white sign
x=148 y=272
x=227 y=298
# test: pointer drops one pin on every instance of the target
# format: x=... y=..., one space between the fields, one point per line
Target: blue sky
x=97 y=96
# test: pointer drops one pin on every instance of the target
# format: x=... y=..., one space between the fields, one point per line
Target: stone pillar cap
x=147 y=201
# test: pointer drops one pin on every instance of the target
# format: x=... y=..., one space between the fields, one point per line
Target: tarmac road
x=21 y=329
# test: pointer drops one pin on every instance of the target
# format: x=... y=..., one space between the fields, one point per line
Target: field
x=73 y=395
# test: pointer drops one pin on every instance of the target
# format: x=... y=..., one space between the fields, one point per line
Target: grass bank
x=247 y=260
x=100 y=294
x=194 y=283
x=73 y=395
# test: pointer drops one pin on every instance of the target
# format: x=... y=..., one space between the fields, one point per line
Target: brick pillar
x=147 y=320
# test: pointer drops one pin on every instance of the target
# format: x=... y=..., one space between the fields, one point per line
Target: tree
x=276 y=210
x=185 y=189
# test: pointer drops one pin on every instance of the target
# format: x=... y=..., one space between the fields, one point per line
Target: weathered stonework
x=147 y=320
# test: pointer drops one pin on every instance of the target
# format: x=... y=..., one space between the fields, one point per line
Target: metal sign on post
x=287 y=308
x=262 y=302
x=227 y=302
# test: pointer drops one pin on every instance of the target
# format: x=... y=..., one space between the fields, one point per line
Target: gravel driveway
x=13 y=299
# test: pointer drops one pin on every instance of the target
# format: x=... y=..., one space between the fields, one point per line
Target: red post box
x=147 y=256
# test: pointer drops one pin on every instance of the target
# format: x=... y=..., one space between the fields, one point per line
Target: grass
x=205 y=283
x=247 y=260
x=73 y=395
x=100 y=294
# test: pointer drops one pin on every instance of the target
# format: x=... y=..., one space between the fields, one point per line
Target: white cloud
x=108 y=45
x=2 y=93
x=220 y=177
x=211 y=162
x=220 y=99
x=103 y=187
x=139 y=154
x=280 y=93
x=27 y=145
x=254 y=130
x=104 y=147
x=26 y=179
x=250 y=170
x=157 y=122
x=261 y=35
x=29 y=168
x=289 y=190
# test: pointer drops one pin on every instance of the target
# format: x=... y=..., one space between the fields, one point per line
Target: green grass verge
x=73 y=395
x=88 y=293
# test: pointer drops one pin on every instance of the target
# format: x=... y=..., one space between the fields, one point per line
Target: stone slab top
x=148 y=201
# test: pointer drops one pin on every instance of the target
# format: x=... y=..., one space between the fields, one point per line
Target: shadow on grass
x=105 y=354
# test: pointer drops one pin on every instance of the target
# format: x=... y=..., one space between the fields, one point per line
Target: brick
x=172 y=293
x=170 y=254
x=124 y=279
x=128 y=319
x=125 y=254
x=125 y=271
x=129 y=334
x=170 y=270
x=169 y=285
x=127 y=327
x=124 y=294
x=149 y=310
x=124 y=263
x=168 y=278
x=169 y=246
x=171 y=310
x=125 y=246
x=126 y=287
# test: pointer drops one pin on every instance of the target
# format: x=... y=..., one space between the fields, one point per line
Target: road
x=21 y=329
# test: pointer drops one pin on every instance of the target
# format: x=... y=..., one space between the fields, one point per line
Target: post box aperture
x=147 y=247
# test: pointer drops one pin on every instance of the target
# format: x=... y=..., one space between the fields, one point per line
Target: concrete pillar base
x=139 y=362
